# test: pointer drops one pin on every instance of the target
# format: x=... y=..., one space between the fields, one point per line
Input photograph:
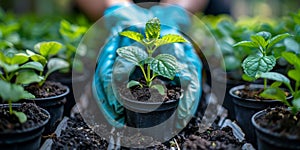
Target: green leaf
x=47 y=49
x=168 y=39
x=274 y=93
x=276 y=84
x=277 y=38
x=265 y=35
x=27 y=77
x=296 y=104
x=133 y=35
x=71 y=32
x=132 y=54
x=159 y=88
x=13 y=92
x=8 y=68
x=259 y=40
x=274 y=76
x=6 y=44
x=246 y=44
x=55 y=64
x=21 y=116
x=133 y=83
x=294 y=74
x=164 y=65
x=37 y=57
x=248 y=78
x=33 y=65
x=19 y=58
x=292 y=45
x=255 y=64
x=152 y=29
x=291 y=58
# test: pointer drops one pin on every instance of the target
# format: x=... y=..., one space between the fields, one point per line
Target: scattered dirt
x=78 y=135
x=282 y=121
x=10 y=123
x=47 y=90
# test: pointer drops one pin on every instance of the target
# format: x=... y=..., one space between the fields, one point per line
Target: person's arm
x=192 y=6
x=94 y=8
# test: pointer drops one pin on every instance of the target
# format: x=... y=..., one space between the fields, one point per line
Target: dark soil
x=281 y=121
x=251 y=93
x=146 y=94
x=10 y=123
x=78 y=135
x=48 y=89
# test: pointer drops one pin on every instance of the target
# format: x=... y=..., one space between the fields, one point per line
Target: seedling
x=47 y=51
x=264 y=60
x=161 y=65
x=275 y=92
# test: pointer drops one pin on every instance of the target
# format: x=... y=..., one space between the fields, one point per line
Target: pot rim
x=53 y=97
x=27 y=129
x=145 y=102
x=235 y=88
x=267 y=131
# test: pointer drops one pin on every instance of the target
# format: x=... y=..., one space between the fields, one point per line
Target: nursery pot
x=23 y=139
x=246 y=108
x=70 y=81
x=55 y=106
x=149 y=114
x=267 y=139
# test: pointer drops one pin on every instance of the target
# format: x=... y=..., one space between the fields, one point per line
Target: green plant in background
x=71 y=36
x=47 y=51
x=162 y=65
x=264 y=60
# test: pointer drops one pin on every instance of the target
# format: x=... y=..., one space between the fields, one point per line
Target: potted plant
x=246 y=98
x=152 y=77
x=48 y=94
x=278 y=128
x=21 y=124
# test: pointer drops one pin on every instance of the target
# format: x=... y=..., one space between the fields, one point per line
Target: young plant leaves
x=159 y=88
x=27 y=77
x=164 y=65
x=274 y=93
x=255 y=64
x=133 y=35
x=55 y=64
x=21 y=116
x=274 y=76
x=33 y=65
x=133 y=83
x=133 y=54
x=13 y=92
x=48 y=49
x=277 y=38
x=152 y=29
x=259 y=40
x=246 y=44
x=168 y=39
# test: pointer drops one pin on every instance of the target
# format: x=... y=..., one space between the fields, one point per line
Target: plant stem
x=265 y=84
x=10 y=107
x=148 y=75
x=144 y=73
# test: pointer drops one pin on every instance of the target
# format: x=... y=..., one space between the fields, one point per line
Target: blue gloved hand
x=120 y=17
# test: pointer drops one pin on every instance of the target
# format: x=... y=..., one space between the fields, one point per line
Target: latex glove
x=190 y=75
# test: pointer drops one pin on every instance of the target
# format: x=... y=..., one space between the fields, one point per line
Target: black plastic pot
x=268 y=140
x=29 y=139
x=149 y=114
x=246 y=108
x=55 y=106
x=68 y=80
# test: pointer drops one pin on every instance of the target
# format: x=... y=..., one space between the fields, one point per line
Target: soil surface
x=10 y=123
x=146 y=94
x=48 y=89
x=282 y=121
x=251 y=93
